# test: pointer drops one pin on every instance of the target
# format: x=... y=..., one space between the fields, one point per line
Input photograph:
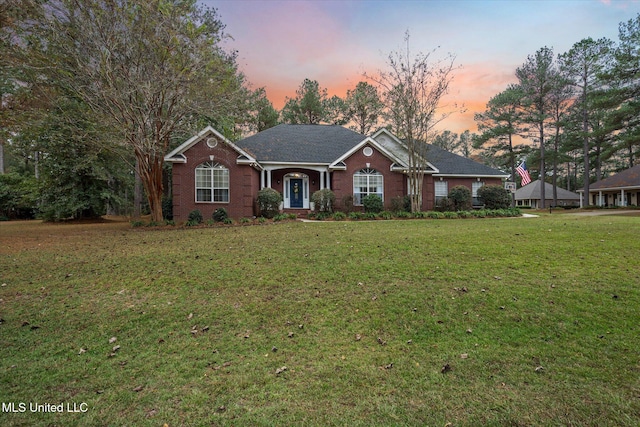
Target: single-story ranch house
x=621 y=189
x=210 y=172
x=529 y=196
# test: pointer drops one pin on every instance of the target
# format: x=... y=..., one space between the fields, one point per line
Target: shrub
x=355 y=216
x=169 y=222
x=194 y=218
x=420 y=214
x=403 y=214
x=244 y=220
x=269 y=202
x=385 y=215
x=167 y=208
x=227 y=221
x=320 y=216
x=480 y=213
x=283 y=216
x=262 y=220
x=443 y=205
x=369 y=215
x=494 y=197
x=339 y=216
x=401 y=204
x=324 y=200
x=435 y=215
x=219 y=215
x=137 y=223
x=347 y=203
x=372 y=203
x=460 y=198
x=450 y=215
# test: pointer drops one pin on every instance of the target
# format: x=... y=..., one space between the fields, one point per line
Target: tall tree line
x=581 y=103
x=101 y=82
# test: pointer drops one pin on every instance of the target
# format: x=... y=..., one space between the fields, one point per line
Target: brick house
x=210 y=171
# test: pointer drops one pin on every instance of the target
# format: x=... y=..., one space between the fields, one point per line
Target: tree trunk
x=542 y=169
x=137 y=190
x=555 y=167
x=1 y=156
x=151 y=175
x=585 y=151
x=512 y=160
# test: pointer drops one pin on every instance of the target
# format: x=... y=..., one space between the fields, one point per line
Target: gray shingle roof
x=449 y=163
x=301 y=143
x=531 y=191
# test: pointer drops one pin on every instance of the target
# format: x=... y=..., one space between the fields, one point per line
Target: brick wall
x=243 y=181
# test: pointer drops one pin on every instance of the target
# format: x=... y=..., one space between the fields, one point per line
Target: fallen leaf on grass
x=358 y=337
x=464 y=356
x=281 y=370
x=82 y=350
x=381 y=341
x=446 y=368
x=138 y=389
x=112 y=340
x=115 y=348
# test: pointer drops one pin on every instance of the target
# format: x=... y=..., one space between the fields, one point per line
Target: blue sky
x=280 y=43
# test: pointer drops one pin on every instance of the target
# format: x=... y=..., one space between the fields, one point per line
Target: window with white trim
x=441 y=189
x=365 y=182
x=475 y=186
x=212 y=183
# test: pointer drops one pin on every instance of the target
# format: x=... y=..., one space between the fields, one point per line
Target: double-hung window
x=441 y=190
x=365 y=182
x=212 y=183
x=475 y=186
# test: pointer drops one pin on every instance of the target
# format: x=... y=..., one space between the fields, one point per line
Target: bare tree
x=413 y=87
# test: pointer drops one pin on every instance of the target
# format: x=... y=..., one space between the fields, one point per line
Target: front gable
x=368 y=148
x=212 y=140
x=394 y=145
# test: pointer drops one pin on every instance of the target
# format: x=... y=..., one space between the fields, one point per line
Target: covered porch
x=296 y=184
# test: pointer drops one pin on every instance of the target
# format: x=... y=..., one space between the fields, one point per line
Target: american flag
x=524 y=173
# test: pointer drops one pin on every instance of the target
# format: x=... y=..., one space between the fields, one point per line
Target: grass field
x=475 y=322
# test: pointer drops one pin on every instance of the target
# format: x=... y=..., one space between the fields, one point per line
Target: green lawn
x=537 y=321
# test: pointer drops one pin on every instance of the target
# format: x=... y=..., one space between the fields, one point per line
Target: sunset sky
x=280 y=43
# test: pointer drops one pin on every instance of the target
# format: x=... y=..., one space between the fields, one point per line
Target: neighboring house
x=210 y=171
x=529 y=196
x=621 y=189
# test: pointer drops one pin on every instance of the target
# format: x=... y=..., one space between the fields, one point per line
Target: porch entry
x=296 y=191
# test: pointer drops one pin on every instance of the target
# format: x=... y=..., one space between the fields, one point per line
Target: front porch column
x=269 y=178
x=328 y=175
x=600 y=201
x=322 y=177
x=262 y=172
x=623 y=201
